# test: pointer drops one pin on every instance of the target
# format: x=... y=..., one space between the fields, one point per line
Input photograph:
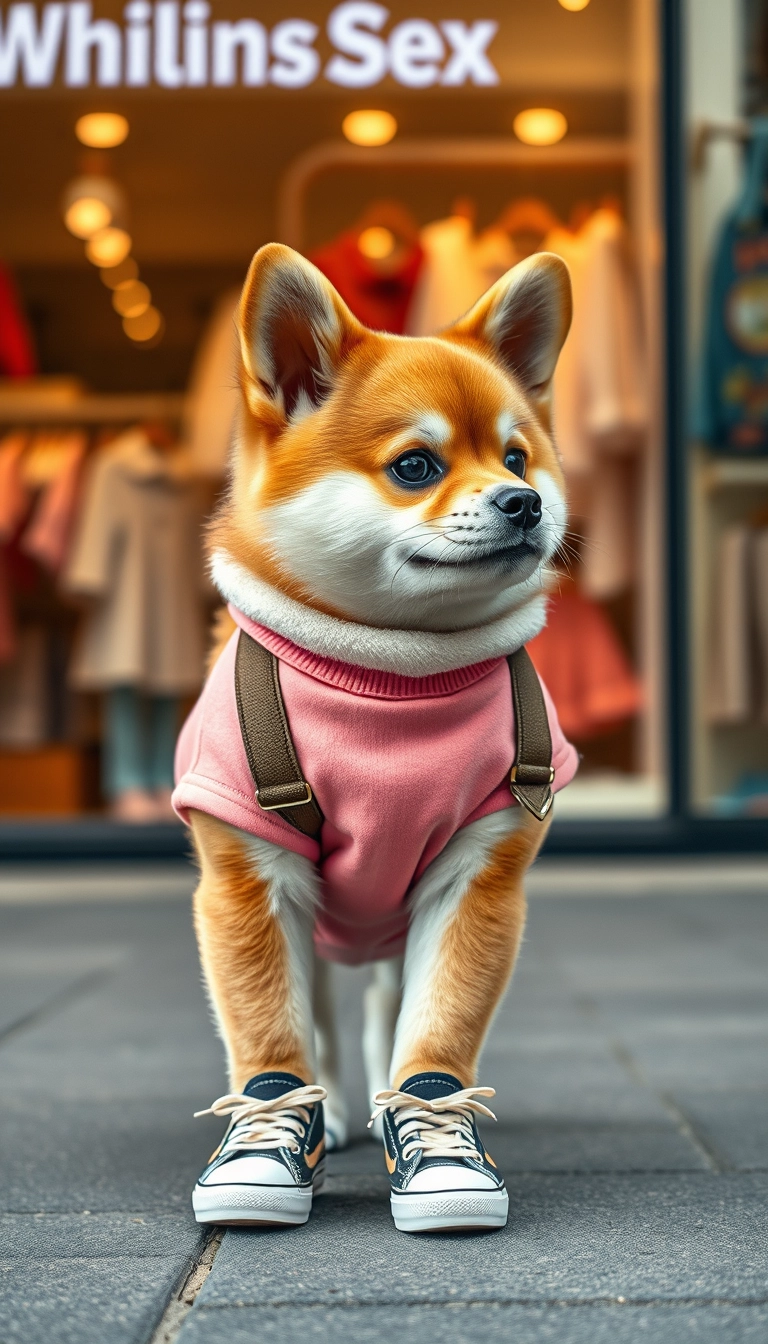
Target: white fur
x=293 y=891
x=407 y=652
x=435 y=903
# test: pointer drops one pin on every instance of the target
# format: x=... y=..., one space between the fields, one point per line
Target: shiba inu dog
x=392 y=509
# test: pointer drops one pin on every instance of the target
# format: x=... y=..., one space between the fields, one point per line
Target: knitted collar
x=409 y=653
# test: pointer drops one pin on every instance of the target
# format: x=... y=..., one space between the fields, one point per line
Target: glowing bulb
x=574 y=5
x=369 y=127
x=147 y=326
x=540 y=126
x=112 y=276
x=131 y=298
x=376 y=243
x=108 y=247
x=86 y=216
x=101 y=130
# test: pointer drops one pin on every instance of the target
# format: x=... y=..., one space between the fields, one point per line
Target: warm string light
x=376 y=243
x=574 y=5
x=95 y=210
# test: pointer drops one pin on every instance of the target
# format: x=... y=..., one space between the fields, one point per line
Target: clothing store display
x=416 y=757
x=213 y=395
x=579 y=658
x=139 y=741
x=731 y=411
x=377 y=295
x=17 y=355
x=457 y=269
x=136 y=555
x=730 y=691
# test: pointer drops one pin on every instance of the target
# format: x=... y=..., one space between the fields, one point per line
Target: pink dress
x=398 y=765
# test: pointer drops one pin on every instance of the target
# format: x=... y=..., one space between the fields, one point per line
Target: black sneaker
x=272 y=1157
x=440 y=1174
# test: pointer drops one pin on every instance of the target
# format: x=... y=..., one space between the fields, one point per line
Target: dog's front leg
x=468 y=919
x=254 y=914
x=467 y=922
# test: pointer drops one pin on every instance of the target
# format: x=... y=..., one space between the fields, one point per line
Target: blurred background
x=146 y=150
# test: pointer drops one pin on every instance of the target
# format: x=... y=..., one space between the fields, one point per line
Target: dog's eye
x=514 y=461
x=415 y=469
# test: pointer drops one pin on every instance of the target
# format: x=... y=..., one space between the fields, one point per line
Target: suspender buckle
x=531 y=769
x=280 y=794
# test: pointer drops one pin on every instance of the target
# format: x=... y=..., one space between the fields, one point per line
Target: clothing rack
x=435 y=152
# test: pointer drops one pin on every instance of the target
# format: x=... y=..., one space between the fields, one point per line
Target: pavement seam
x=684 y=1126
x=275 y=1304
x=183 y=1298
x=68 y=995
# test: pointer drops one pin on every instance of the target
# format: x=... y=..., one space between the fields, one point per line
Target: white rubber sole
x=254 y=1205
x=450 y=1210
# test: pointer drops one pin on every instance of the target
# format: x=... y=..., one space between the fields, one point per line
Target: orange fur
x=244 y=957
x=477 y=957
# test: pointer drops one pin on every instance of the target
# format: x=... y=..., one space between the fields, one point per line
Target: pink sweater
x=397 y=764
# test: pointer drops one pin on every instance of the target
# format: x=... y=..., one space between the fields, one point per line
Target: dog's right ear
x=295 y=333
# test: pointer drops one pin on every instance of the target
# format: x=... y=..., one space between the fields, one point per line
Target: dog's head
x=397 y=482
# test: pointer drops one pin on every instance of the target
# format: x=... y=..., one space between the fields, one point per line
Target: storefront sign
x=173 y=46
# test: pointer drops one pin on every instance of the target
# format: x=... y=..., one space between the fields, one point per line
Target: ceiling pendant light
x=540 y=126
x=101 y=130
x=91 y=203
x=369 y=126
x=108 y=247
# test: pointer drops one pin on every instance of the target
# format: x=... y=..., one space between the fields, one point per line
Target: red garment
x=17 y=356
x=380 y=301
x=579 y=657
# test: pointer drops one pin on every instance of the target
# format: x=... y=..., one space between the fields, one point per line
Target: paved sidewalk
x=631 y=1066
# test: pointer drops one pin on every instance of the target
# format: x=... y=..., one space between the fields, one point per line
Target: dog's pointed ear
x=523 y=320
x=295 y=332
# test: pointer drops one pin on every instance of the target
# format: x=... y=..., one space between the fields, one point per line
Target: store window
x=727 y=103
x=413 y=155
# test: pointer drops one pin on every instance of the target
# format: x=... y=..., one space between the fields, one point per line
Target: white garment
x=457 y=270
x=137 y=554
x=599 y=396
x=730 y=689
x=213 y=394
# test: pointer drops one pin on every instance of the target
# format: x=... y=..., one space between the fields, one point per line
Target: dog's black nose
x=521 y=507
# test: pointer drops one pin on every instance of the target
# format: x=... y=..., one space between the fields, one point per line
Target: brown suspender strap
x=532 y=774
x=280 y=785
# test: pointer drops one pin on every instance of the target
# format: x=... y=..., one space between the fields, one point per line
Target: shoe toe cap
x=249 y=1169
x=450 y=1176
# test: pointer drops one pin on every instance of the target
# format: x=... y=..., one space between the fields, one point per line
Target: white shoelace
x=439 y=1128
x=279 y=1122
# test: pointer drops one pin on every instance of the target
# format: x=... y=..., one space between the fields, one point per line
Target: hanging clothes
x=730 y=689
x=599 y=398
x=213 y=395
x=579 y=658
x=458 y=268
x=137 y=556
x=379 y=298
x=47 y=536
x=17 y=354
x=731 y=410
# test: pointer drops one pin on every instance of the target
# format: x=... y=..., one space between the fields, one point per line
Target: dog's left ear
x=295 y=332
x=523 y=320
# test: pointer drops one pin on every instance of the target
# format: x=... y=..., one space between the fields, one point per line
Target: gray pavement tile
x=467 y=1323
x=672 y=1237
x=692 y=1061
x=566 y=1084
x=733 y=1123
x=136 y=1154
x=548 y=1145
x=33 y=977
x=97 y=1301
x=83 y=1236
